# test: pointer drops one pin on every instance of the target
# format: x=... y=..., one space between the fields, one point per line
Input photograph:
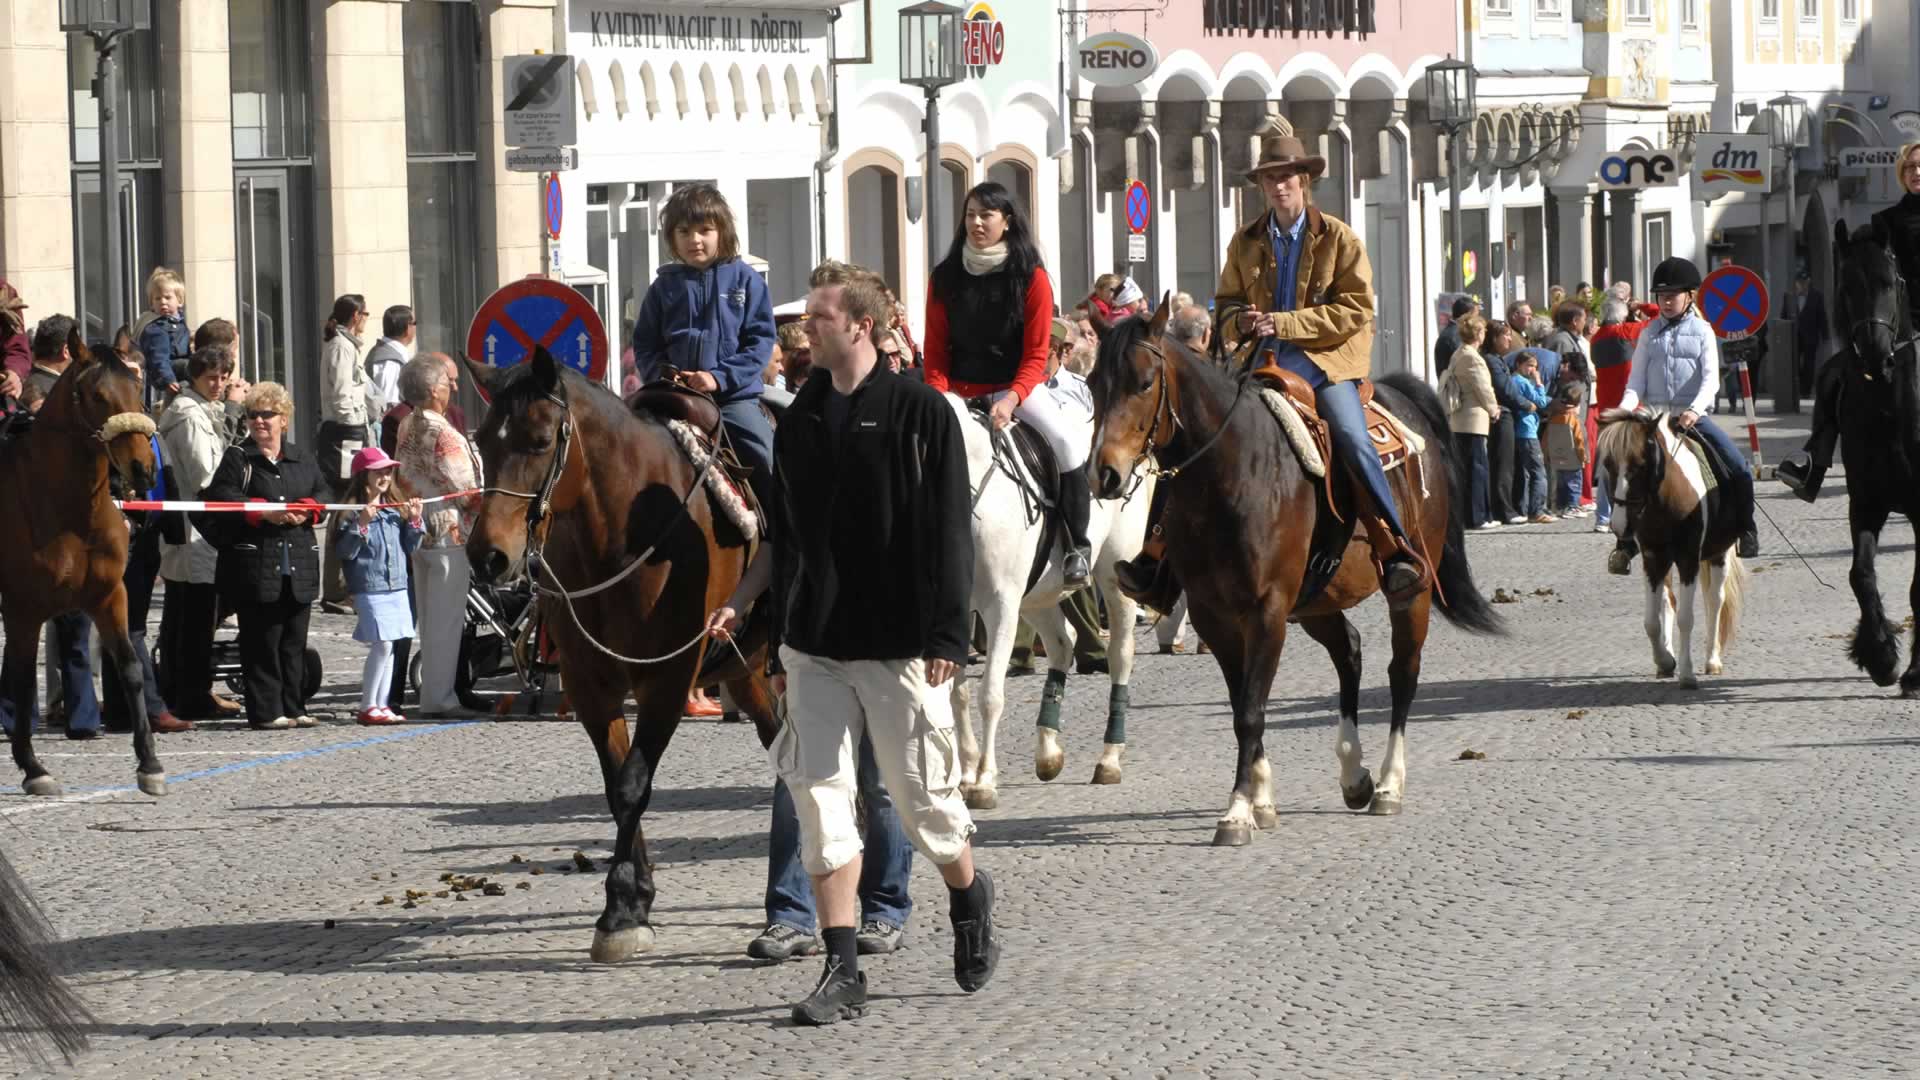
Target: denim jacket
x=374 y=555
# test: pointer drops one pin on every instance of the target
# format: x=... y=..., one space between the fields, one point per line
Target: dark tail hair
x=1457 y=597
x=36 y=1008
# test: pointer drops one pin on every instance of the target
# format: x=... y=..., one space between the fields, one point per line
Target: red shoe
x=377 y=718
x=703 y=707
x=168 y=724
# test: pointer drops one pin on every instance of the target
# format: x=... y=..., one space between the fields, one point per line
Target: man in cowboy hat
x=1298 y=281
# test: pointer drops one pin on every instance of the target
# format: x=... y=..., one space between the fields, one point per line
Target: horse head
x=1871 y=305
x=105 y=400
x=526 y=445
x=1133 y=401
x=1635 y=449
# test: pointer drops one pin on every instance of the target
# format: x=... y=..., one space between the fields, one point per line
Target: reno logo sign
x=1730 y=164
x=1640 y=169
x=1114 y=59
x=983 y=39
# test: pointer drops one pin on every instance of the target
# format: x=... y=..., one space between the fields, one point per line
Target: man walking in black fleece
x=870 y=561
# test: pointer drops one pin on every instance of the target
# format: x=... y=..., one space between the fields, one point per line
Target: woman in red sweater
x=989 y=321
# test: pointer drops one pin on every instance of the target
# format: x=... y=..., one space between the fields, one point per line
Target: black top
x=986 y=326
x=257 y=556
x=872 y=538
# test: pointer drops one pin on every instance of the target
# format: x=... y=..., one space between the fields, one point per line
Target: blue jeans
x=1566 y=493
x=1602 y=495
x=1532 y=496
x=884 y=870
x=1473 y=450
x=1739 y=483
x=1339 y=406
x=752 y=438
x=69 y=635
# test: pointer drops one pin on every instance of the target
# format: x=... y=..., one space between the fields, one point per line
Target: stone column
x=360 y=154
x=1575 y=238
x=1623 y=243
x=198 y=155
x=36 y=202
x=511 y=243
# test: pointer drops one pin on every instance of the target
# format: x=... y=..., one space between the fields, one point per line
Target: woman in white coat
x=1472 y=411
x=193 y=437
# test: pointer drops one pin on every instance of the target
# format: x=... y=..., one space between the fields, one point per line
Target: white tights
x=376 y=676
x=1070 y=435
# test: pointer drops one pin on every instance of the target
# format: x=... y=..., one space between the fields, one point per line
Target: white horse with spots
x=1007 y=526
x=1674 y=513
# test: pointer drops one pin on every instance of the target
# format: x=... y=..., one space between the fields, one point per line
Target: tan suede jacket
x=1332 y=320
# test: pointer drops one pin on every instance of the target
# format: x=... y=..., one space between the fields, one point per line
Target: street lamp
x=1450 y=107
x=1785 y=114
x=930 y=59
x=106 y=21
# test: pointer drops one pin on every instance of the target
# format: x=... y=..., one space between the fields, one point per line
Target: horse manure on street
x=1473 y=755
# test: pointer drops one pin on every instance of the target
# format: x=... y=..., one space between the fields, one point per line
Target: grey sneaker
x=837 y=996
x=782 y=942
x=882 y=938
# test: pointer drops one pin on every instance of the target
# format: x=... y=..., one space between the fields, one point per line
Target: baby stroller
x=499 y=638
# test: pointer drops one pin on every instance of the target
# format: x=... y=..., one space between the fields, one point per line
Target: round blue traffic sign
x=555 y=207
x=1139 y=206
x=538 y=312
x=1733 y=300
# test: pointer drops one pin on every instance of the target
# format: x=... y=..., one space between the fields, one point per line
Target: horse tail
x=36 y=1007
x=1458 y=598
x=1732 y=597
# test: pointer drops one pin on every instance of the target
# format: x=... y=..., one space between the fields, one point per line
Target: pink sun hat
x=372 y=457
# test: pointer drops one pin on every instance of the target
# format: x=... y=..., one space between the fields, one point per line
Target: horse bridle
x=1164 y=404
x=1893 y=329
x=540 y=501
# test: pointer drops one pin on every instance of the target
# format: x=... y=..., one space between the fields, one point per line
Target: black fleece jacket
x=872 y=537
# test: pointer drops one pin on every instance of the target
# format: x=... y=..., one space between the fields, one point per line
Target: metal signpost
x=1734 y=302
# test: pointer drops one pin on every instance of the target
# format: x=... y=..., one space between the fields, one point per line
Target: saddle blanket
x=724 y=493
x=1394 y=440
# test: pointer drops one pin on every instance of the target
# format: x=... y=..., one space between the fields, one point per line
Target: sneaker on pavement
x=782 y=942
x=1488 y=524
x=976 y=946
x=1517 y=519
x=837 y=996
x=880 y=938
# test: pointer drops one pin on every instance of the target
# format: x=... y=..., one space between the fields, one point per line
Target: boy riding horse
x=1298 y=281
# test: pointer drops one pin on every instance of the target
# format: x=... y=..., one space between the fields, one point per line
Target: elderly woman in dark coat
x=269 y=564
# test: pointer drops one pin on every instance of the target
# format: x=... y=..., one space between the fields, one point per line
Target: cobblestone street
x=1636 y=881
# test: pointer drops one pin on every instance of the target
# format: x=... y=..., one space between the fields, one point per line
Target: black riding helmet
x=1675 y=275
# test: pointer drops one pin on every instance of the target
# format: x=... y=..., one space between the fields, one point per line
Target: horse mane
x=518 y=388
x=1113 y=375
x=1620 y=442
x=1881 y=272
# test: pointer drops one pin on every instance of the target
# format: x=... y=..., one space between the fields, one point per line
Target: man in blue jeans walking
x=884 y=903
x=68 y=640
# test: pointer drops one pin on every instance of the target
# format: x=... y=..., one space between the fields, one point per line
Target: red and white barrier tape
x=196 y=506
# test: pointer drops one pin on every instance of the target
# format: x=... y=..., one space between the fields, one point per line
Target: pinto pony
x=66 y=542
x=1677 y=520
x=1239 y=518
x=629 y=553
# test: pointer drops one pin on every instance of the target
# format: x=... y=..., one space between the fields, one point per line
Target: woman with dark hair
x=993 y=289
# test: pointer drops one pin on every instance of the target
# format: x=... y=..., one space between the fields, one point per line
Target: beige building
x=278 y=153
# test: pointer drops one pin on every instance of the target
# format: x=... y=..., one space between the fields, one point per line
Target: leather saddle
x=1384 y=433
x=667 y=400
x=1039 y=486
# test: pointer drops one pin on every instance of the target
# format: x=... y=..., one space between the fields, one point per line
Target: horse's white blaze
x=1684 y=631
x=1346 y=746
x=1262 y=777
x=1393 y=768
x=1004 y=541
x=1659 y=622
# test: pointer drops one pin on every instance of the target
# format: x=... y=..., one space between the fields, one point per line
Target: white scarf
x=983 y=260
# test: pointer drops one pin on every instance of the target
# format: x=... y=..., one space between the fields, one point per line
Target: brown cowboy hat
x=1286 y=151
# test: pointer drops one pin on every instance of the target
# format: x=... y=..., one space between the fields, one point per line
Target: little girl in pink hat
x=373 y=546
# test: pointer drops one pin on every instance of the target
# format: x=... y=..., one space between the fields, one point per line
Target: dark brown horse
x=66 y=543
x=591 y=492
x=1239 y=520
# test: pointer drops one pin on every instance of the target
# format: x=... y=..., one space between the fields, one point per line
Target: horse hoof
x=1663 y=673
x=154 y=784
x=1228 y=835
x=621 y=945
x=1384 y=806
x=1716 y=669
x=1361 y=795
x=1689 y=682
x=1106 y=774
x=1887 y=678
x=983 y=798
x=45 y=786
x=1266 y=818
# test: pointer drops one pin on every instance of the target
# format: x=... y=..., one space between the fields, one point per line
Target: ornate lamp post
x=930 y=59
x=1450 y=107
x=1785 y=114
x=106 y=21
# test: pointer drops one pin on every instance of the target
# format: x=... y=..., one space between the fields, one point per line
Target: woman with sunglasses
x=269 y=563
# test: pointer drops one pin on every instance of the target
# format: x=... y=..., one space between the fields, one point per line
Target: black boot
x=1076 y=507
x=1802 y=475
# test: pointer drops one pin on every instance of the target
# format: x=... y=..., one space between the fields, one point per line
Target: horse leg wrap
x=1051 y=697
x=1117 y=715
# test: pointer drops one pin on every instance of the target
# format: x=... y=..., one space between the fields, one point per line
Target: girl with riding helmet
x=1898 y=227
x=989 y=323
x=1676 y=369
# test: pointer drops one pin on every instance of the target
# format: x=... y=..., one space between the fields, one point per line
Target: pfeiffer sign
x=1114 y=59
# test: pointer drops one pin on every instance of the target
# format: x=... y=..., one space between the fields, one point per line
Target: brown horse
x=66 y=543
x=582 y=493
x=1240 y=518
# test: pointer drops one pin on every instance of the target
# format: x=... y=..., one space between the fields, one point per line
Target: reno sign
x=1114 y=59
x=983 y=39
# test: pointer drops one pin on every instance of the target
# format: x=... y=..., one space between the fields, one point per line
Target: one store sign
x=1731 y=164
x=1638 y=169
x=1860 y=160
x=1114 y=59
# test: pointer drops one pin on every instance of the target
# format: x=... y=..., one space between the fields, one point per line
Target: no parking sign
x=1733 y=300
x=539 y=312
